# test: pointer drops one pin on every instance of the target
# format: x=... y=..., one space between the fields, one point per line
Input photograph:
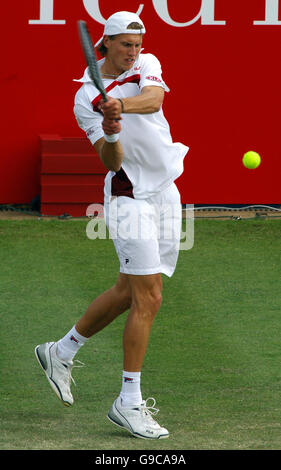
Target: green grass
x=213 y=361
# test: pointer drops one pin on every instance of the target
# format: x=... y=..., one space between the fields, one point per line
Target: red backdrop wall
x=224 y=72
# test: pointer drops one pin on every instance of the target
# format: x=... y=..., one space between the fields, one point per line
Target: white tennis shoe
x=57 y=372
x=137 y=420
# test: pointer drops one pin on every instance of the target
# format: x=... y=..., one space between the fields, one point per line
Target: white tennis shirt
x=152 y=161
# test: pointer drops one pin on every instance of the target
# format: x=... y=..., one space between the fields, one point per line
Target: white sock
x=70 y=344
x=131 y=393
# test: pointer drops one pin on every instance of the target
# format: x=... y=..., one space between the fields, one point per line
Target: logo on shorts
x=127 y=261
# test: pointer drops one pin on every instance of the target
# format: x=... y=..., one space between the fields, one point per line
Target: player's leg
x=146 y=293
x=105 y=308
x=56 y=358
x=129 y=411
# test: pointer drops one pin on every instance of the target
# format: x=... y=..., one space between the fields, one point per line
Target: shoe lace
x=149 y=410
x=76 y=364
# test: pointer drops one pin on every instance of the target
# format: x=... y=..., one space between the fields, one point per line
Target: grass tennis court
x=213 y=361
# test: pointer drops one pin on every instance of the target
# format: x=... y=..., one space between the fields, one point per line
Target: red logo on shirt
x=154 y=79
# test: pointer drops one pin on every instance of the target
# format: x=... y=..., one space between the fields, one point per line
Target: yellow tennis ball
x=251 y=160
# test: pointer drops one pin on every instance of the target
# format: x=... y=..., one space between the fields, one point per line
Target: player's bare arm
x=111 y=154
x=149 y=101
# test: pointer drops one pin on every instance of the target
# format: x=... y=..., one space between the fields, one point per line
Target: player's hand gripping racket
x=90 y=56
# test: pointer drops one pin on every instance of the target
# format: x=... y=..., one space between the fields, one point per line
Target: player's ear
x=106 y=40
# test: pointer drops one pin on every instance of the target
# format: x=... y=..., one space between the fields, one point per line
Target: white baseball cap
x=118 y=24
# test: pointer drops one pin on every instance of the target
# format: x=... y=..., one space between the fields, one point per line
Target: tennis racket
x=90 y=56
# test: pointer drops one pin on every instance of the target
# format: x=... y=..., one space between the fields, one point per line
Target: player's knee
x=156 y=301
x=148 y=303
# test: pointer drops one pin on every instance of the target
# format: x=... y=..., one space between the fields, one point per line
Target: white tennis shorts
x=146 y=232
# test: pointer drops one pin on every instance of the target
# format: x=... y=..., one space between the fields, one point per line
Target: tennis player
x=132 y=138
